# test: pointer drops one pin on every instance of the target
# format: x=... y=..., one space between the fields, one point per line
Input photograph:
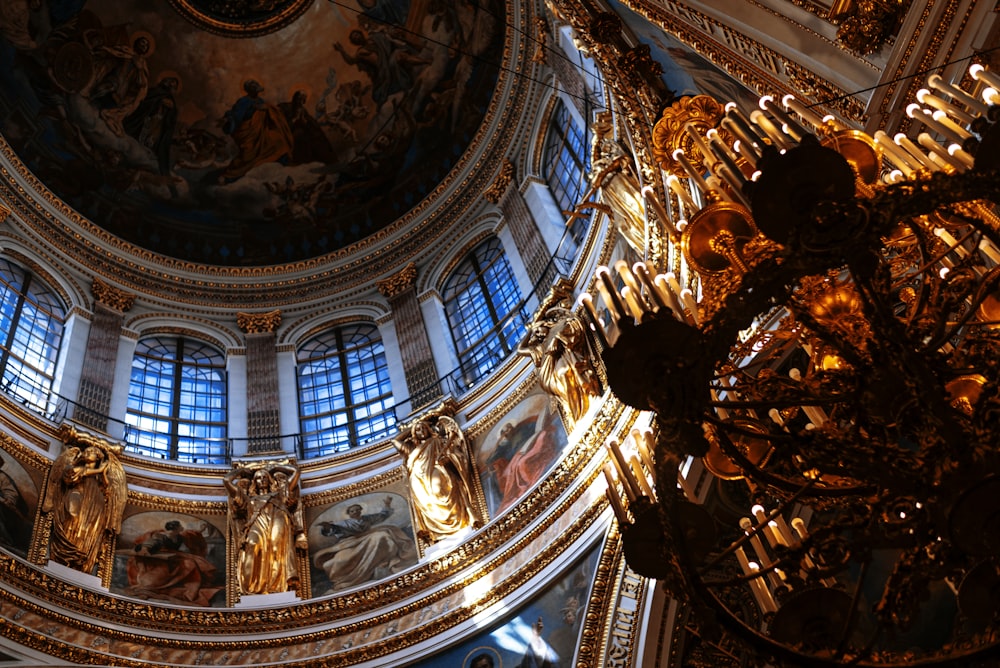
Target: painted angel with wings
x=85 y=495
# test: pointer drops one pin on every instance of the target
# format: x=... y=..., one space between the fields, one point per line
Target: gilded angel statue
x=613 y=171
x=85 y=495
x=264 y=527
x=557 y=344
x=441 y=478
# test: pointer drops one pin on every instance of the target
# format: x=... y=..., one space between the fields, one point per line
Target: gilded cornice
x=399 y=282
x=112 y=297
x=27 y=419
x=930 y=52
x=606 y=574
x=502 y=539
x=144 y=500
x=813 y=34
x=15 y=448
x=766 y=71
x=354 y=489
x=315 y=648
x=191 y=283
x=259 y=323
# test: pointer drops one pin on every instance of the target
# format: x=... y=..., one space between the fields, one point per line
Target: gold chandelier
x=831 y=357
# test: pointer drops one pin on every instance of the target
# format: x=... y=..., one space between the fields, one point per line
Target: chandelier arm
x=747 y=535
x=741 y=579
x=986 y=286
x=778 y=482
x=902 y=361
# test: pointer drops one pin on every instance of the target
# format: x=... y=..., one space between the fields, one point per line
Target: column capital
x=499 y=186
x=259 y=323
x=111 y=297
x=398 y=282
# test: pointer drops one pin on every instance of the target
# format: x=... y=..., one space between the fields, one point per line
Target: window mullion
x=175 y=405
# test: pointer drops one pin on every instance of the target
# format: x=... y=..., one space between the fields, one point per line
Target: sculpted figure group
x=441 y=477
x=265 y=526
x=85 y=497
x=558 y=346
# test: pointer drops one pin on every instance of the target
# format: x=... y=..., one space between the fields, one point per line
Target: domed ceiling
x=245 y=132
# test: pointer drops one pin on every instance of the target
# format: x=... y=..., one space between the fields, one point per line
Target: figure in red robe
x=169 y=564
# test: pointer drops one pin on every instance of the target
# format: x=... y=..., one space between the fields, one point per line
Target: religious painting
x=685 y=71
x=360 y=540
x=543 y=634
x=518 y=451
x=18 y=501
x=171 y=557
x=232 y=134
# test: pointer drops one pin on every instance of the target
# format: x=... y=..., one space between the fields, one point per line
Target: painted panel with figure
x=18 y=501
x=360 y=540
x=543 y=634
x=173 y=129
x=518 y=450
x=685 y=71
x=173 y=558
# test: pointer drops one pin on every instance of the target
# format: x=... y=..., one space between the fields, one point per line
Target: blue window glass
x=484 y=310
x=345 y=398
x=566 y=162
x=177 y=401
x=31 y=326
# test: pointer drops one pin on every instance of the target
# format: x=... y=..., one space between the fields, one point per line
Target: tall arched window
x=345 y=398
x=177 y=400
x=566 y=162
x=483 y=305
x=31 y=326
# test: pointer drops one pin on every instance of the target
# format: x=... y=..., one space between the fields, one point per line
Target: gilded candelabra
x=834 y=368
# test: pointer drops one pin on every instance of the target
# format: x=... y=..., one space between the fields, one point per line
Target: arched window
x=483 y=305
x=31 y=326
x=566 y=162
x=177 y=400
x=345 y=398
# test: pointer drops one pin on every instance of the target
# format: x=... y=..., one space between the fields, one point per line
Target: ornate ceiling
x=240 y=133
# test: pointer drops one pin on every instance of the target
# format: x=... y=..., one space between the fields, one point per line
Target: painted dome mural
x=242 y=133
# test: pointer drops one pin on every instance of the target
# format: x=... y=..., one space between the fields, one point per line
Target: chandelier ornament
x=835 y=368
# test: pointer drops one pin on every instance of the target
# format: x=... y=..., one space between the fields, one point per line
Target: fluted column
x=518 y=218
x=98 y=376
x=263 y=405
x=414 y=344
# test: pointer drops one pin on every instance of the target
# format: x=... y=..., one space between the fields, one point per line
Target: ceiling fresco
x=245 y=132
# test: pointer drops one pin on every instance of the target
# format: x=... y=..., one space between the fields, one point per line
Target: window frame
x=565 y=154
x=144 y=440
x=36 y=306
x=488 y=263
x=347 y=347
